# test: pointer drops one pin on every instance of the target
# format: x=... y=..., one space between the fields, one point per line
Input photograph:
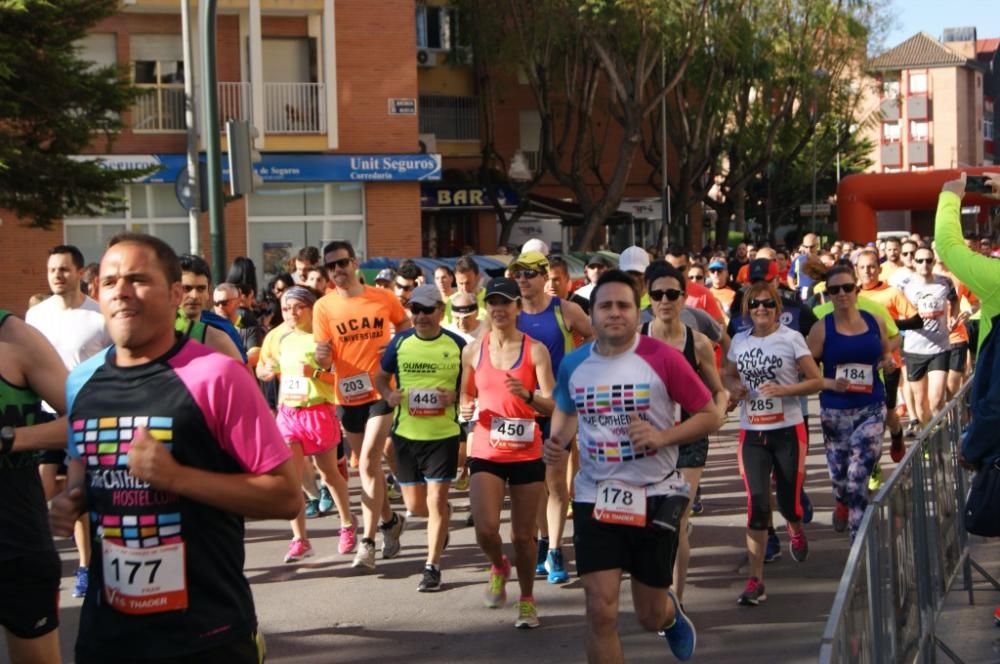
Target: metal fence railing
x=295 y=108
x=909 y=548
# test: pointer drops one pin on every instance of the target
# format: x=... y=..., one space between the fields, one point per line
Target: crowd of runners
x=148 y=408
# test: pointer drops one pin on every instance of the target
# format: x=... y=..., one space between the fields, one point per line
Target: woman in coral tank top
x=508 y=376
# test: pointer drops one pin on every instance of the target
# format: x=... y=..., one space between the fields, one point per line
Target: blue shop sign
x=298 y=167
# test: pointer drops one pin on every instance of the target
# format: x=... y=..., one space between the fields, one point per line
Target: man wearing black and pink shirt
x=171 y=446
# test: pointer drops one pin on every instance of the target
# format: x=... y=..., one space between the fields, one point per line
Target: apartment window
x=918 y=83
x=890 y=132
x=987 y=130
x=530 y=135
x=919 y=131
x=99 y=49
x=890 y=88
x=158 y=69
x=436 y=27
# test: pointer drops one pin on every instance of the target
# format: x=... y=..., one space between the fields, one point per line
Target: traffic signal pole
x=215 y=205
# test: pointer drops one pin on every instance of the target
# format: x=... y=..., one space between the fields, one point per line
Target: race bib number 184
x=140 y=581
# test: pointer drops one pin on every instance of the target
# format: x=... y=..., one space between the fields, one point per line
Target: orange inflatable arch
x=861 y=196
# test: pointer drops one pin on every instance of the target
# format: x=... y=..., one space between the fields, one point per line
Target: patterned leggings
x=853 y=439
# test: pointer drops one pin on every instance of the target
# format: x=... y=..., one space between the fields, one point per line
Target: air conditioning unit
x=428 y=143
x=426 y=58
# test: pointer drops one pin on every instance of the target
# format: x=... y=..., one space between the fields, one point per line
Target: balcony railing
x=289 y=108
x=449 y=118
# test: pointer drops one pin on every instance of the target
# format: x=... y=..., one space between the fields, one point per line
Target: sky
x=932 y=16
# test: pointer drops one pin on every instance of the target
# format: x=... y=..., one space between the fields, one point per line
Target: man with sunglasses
x=352 y=325
x=720 y=288
x=597 y=265
x=797 y=279
x=426 y=362
x=904 y=273
x=927 y=349
x=405 y=281
x=226 y=304
x=554 y=322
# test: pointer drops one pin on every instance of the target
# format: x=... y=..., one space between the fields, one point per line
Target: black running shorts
x=513 y=473
x=645 y=553
x=353 y=418
x=29 y=594
x=420 y=461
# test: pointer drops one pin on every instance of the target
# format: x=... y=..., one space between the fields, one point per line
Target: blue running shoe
x=681 y=636
x=807 y=507
x=543 y=555
x=82 y=580
x=555 y=568
x=312 y=508
x=325 y=500
x=773 y=550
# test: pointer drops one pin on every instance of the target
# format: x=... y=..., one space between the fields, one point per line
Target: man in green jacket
x=980 y=273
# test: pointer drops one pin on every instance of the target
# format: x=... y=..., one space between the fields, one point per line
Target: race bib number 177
x=141 y=581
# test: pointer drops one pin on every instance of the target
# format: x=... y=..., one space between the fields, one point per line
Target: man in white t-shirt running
x=73 y=323
x=618 y=395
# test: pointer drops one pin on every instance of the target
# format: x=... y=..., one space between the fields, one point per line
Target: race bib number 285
x=764 y=410
x=141 y=581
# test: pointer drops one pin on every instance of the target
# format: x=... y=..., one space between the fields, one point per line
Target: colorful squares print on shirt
x=105 y=441
x=615 y=451
x=612 y=398
x=139 y=531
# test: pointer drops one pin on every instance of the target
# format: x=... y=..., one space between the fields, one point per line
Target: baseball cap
x=633 y=259
x=717 y=265
x=598 y=259
x=762 y=269
x=532 y=260
x=427 y=295
x=385 y=274
x=503 y=286
x=535 y=244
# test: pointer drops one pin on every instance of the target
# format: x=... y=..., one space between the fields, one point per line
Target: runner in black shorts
x=30 y=369
x=353 y=418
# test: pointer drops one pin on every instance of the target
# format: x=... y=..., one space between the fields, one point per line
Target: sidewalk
x=968 y=630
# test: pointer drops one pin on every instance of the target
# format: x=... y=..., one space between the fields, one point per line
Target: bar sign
x=402 y=106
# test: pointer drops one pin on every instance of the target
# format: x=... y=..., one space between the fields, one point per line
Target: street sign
x=187 y=195
x=822 y=210
x=402 y=106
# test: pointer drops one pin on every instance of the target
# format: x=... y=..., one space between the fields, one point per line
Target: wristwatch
x=6 y=439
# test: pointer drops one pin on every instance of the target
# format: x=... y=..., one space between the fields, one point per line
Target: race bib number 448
x=141 y=581
x=423 y=402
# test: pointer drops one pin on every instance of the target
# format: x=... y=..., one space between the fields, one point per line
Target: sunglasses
x=767 y=304
x=923 y=261
x=404 y=287
x=222 y=303
x=906 y=253
x=525 y=274
x=342 y=263
x=809 y=246
x=836 y=290
x=416 y=309
x=670 y=293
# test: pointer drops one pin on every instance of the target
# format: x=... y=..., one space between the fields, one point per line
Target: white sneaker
x=390 y=536
x=364 y=559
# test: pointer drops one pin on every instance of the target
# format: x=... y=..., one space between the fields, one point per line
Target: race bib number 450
x=511 y=434
x=620 y=503
x=140 y=581
x=764 y=410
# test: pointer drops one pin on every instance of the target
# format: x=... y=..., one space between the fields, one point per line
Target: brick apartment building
x=332 y=88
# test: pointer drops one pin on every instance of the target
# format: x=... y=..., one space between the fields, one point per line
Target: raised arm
x=980 y=273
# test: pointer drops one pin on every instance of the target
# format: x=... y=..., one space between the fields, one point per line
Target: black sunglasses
x=421 y=309
x=767 y=304
x=670 y=293
x=836 y=290
x=527 y=274
x=923 y=261
x=404 y=287
x=906 y=253
x=222 y=303
x=342 y=263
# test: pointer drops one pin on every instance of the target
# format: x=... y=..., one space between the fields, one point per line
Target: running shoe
x=696 y=505
x=325 y=500
x=312 y=508
x=996 y=617
x=469 y=521
x=390 y=535
x=364 y=559
x=543 y=554
x=897 y=449
x=430 y=582
x=298 y=549
x=798 y=545
x=773 y=549
x=753 y=594
x=807 y=507
x=462 y=482
x=875 y=481
x=348 y=538
x=527 y=615
x=912 y=429
x=392 y=487
x=841 y=515
x=681 y=636
x=82 y=581
x=555 y=568
x=496 y=591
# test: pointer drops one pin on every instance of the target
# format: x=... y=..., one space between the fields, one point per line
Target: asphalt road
x=322 y=611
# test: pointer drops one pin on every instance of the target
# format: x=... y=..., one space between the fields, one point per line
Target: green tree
x=53 y=105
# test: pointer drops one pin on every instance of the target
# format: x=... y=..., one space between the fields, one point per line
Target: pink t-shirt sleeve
x=233 y=406
x=683 y=384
